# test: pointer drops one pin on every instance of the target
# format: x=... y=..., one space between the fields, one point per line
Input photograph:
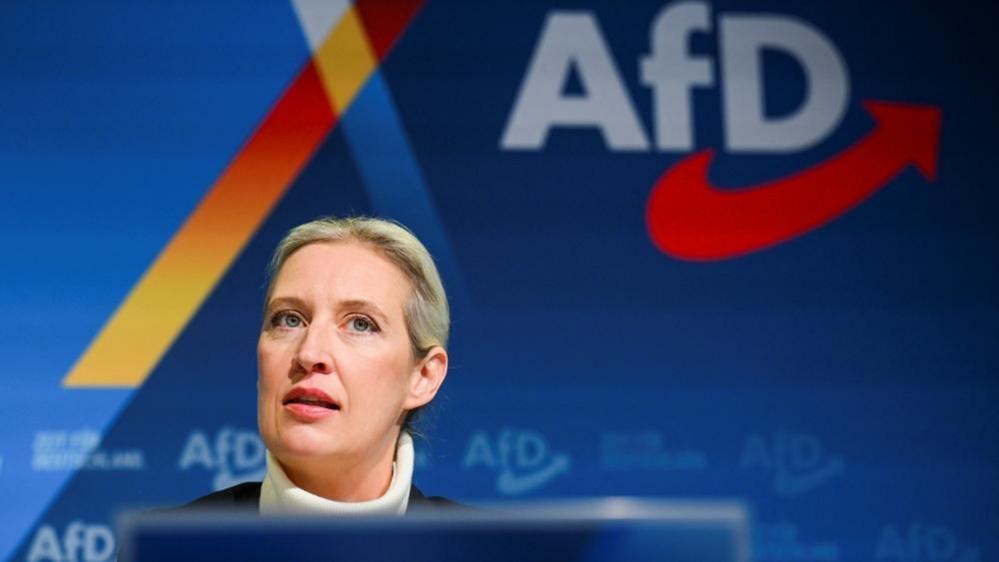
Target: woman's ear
x=426 y=378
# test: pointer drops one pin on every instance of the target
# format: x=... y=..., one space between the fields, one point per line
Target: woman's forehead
x=343 y=271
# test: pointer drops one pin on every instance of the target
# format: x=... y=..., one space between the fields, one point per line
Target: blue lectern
x=607 y=530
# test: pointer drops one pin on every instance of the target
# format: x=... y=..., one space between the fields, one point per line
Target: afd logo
x=799 y=462
x=233 y=455
x=686 y=215
x=522 y=459
x=919 y=542
x=79 y=542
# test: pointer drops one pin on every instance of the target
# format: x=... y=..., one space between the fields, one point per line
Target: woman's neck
x=279 y=495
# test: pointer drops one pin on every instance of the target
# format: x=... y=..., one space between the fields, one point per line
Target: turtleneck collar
x=279 y=496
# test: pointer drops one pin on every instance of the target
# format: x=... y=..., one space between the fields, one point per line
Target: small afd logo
x=79 y=542
x=798 y=461
x=920 y=542
x=522 y=459
x=234 y=455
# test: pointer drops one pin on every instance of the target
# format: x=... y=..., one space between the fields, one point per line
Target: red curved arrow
x=691 y=219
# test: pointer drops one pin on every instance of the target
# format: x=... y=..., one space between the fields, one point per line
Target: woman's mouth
x=309 y=404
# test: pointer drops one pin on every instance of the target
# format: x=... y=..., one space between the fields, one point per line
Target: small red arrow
x=691 y=219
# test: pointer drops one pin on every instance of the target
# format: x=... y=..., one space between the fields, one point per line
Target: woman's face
x=336 y=367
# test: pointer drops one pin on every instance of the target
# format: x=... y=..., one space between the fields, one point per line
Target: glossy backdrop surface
x=807 y=323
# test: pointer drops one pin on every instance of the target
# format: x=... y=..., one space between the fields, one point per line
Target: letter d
x=98 y=543
x=747 y=128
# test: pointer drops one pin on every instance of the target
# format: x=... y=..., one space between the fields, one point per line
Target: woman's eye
x=287 y=320
x=361 y=324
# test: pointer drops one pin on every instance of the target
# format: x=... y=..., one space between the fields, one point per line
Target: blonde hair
x=426 y=312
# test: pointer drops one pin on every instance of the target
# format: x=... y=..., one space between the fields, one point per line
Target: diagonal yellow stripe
x=172 y=290
x=345 y=60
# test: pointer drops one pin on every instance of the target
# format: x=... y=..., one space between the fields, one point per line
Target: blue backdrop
x=839 y=374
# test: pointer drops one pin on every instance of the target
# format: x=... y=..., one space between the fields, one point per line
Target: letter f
x=73 y=540
x=671 y=72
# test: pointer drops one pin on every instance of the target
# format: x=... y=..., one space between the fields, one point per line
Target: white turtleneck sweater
x=279 y=496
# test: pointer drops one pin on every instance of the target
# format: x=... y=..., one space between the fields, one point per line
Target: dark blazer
x=246 y=496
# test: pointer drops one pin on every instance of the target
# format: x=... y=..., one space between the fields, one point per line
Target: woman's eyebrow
x=293 y=302
x=363 y=306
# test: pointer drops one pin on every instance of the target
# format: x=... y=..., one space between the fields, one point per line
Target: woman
x=352 y=346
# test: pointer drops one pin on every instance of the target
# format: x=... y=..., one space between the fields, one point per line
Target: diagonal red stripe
x=385 y=21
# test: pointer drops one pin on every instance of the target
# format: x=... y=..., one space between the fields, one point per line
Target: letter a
x=479 y=452
x=197 y=451
x=45 y=546
x=567 y=40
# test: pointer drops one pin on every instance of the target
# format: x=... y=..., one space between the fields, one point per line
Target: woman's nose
x=315 y=354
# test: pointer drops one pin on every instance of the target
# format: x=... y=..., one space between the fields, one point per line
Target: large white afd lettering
x=572 y=40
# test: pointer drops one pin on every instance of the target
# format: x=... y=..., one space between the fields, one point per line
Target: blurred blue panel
x=116 y=118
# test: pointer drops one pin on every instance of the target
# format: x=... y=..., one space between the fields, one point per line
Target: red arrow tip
x=913 y=130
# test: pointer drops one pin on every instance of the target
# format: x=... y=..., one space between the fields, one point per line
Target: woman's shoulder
x=418 y=501
x=247 y=496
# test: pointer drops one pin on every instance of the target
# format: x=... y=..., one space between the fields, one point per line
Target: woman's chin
x=307 y=440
